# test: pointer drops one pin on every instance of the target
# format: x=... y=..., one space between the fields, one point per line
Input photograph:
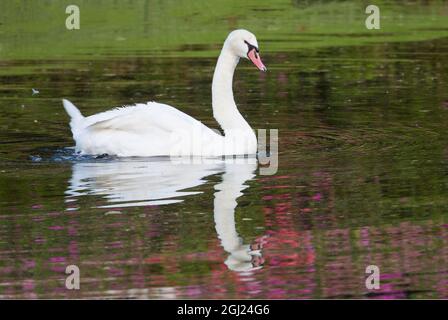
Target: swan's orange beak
x=254 y=56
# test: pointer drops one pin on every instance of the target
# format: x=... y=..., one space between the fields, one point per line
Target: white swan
x=156 y=129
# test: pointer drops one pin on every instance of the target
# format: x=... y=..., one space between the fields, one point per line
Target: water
x=362 y=178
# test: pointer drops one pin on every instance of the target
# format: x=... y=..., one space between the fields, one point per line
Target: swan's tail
x=74 y=113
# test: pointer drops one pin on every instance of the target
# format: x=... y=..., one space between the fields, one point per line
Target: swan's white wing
x=141 y=118
x=144 y=130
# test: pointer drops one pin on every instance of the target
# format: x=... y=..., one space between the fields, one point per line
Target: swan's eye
x=251 y=47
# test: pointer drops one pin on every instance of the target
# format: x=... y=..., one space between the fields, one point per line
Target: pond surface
x=362 y=179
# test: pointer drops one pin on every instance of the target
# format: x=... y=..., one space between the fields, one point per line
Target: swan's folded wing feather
x=142 y=118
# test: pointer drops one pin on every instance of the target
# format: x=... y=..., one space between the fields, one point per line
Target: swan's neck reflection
x=158 y=182
x=243 y=257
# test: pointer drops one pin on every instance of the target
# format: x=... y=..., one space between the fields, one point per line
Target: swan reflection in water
x=161 y=181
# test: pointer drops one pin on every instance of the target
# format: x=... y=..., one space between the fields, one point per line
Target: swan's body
x=156 y=129
x=151 y=129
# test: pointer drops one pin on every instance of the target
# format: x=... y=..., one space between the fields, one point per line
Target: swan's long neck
x=225 y=110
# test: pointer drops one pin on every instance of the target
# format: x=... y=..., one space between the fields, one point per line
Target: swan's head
x=244 y=44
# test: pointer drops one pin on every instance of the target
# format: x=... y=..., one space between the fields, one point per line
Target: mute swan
x=156 y=129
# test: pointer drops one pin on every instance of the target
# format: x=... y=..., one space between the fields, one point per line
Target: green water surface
x=363 y=152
